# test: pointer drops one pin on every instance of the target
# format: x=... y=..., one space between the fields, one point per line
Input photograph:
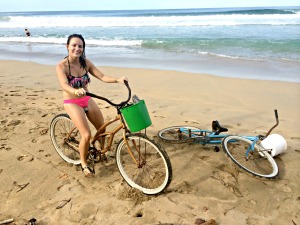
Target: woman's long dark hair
x=82 y=57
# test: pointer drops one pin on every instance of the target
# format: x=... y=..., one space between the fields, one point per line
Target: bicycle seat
x=217 y=128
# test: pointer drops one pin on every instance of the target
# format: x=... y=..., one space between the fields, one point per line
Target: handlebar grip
x=126 y=83
x=276 y=113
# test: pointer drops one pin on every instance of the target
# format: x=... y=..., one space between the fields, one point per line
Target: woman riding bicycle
x=73 y=74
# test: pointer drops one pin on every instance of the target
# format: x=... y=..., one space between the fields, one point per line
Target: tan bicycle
x=143 y=164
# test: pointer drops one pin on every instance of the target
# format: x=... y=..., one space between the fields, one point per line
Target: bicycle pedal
x=216 y=149
x=103 y=158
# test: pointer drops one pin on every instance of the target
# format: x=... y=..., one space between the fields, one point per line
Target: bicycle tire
x=65 y=138
x=153 y=174
x=175 y=135
x=260 y=163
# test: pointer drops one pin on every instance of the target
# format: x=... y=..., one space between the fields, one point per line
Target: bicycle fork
x=250 y=149
x=141 y=161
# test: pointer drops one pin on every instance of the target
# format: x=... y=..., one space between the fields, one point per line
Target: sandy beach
x=37 y=183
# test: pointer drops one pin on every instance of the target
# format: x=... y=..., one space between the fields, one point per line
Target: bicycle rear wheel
x=148 y=169
x=179 y=134
x=259 y=163
x=65 y=138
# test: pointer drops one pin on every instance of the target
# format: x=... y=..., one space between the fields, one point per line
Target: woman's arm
x=92 y=69
x=61 y=74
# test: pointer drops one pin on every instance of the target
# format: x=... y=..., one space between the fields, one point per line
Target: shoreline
x=156 y=59
x=205 y=184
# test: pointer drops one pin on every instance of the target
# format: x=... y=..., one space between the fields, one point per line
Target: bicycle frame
x=102 y=133
x=209 y=137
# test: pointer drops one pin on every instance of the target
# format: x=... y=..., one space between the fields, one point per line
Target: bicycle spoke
x=179 y=134
x=65 y=139
x=258 y=162
x=150 y=171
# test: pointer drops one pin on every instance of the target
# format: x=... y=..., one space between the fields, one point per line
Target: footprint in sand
x=128 y=193
x=31 y=98
x=62 y=176
x=14 y=122
x=3 y=122
x=183 y=187
x=204 y=157
x=50 y=103
x=44 y=131
x=228 y=181
x=229 y=169
x=15 y=93
x=295 y=138
x=15 y=114
x=47 y=155
x=164 y=117
x=7 y=102
x=159 y=116
x=191 y=122
x=4 y=147
x=19 y=187
x=85 y=211
x=25 y=158
x=252 y=201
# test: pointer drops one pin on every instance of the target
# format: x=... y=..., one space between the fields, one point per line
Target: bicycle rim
x=259 y=163
x=65 y=138
x=152 y=173
x=179 y=134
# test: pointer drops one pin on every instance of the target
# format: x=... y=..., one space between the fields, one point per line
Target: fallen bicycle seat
x=217 y=128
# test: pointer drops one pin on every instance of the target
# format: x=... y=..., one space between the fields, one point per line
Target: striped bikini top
x=78 y=82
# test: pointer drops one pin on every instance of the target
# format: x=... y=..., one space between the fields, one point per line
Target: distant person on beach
x=27 y=33
x=73 y=74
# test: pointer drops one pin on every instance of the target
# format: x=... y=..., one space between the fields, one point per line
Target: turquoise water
x=259 y=43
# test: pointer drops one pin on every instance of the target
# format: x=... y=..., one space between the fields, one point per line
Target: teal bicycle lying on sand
x=254 y=154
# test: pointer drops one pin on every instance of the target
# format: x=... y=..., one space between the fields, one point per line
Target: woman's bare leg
x=95 y=115
x=78 y=117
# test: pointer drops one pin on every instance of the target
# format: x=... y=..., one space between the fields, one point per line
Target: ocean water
x=257 y=43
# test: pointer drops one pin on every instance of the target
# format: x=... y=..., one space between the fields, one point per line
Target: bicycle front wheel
x=143 y=164
x=179 y=134
x=259 y=162
x=65 y=138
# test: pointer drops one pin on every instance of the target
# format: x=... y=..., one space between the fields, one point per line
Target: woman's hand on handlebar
x=122 y=80
x=79 y=92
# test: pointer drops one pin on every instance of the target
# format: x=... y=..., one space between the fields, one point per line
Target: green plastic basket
x=137 y=116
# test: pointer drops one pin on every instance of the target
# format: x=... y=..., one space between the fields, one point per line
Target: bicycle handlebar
x=276 y=114
x=110 y=102
x=277 y=122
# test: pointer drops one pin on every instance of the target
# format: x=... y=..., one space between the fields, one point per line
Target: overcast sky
x=65 y=5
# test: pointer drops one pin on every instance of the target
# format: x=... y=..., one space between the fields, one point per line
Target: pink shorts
x=82 y=102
